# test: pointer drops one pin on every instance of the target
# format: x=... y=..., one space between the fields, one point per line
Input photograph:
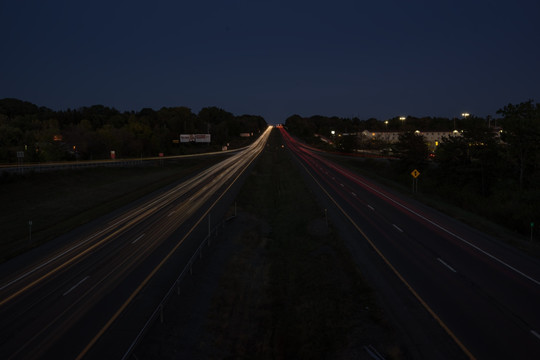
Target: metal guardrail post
x=159 y=311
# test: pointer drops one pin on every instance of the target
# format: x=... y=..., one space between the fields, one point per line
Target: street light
x=463 y=115
x=402 y=119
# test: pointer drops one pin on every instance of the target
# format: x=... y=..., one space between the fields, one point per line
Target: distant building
x=433 y=138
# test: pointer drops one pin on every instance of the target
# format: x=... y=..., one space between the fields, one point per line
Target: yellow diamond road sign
x=415 y=173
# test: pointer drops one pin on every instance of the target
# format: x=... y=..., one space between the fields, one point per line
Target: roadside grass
x=293 y=290
x=59 y=201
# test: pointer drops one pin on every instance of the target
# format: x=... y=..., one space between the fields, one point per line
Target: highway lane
x=62 y=304
x=484 y=294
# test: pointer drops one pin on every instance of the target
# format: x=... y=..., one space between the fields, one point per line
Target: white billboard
x=198 y=138
x=185 y=138
x=202 y=138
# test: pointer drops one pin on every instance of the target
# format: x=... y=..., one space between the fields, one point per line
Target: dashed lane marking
x=137 y=239
x=75 y=286
x=445 y=264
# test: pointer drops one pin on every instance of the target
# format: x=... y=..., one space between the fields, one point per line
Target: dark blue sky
x=273 y=58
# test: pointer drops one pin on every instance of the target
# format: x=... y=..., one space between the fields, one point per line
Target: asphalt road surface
x=482 y=294
x=89 y=297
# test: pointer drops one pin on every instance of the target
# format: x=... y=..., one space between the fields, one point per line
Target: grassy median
x=292 y=291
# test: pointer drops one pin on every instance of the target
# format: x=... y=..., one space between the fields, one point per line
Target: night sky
x=273 y=58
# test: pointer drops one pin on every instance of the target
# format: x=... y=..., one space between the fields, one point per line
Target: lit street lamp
x=402 y=119
x=463 y=115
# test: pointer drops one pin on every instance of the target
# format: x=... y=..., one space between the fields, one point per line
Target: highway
x=483 y=295
x=64 y=301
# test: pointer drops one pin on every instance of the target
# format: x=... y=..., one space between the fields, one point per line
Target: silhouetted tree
x=521 y=131
x=412 y=149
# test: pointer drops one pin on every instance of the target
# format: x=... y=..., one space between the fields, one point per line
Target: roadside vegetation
x=91 y=133
x=490 y=169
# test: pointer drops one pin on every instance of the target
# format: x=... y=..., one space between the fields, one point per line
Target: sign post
x=415 y=174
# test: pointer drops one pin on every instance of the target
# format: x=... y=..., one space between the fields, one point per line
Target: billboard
x=185 y=138
x=202 y=138
x=198 y=138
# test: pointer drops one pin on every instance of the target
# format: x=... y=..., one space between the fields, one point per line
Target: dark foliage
x=491 y=167
x=92 y=132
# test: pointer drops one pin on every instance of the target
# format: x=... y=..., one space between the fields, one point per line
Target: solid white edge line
x=394 y=225
x=396 y=272
x=445 y=264
x=372 y=208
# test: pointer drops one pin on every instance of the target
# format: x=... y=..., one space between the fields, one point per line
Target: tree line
x=93 y=132
x=492 y=167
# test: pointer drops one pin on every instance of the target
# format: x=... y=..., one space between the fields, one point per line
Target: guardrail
x=48 y=166
x=158 y=312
